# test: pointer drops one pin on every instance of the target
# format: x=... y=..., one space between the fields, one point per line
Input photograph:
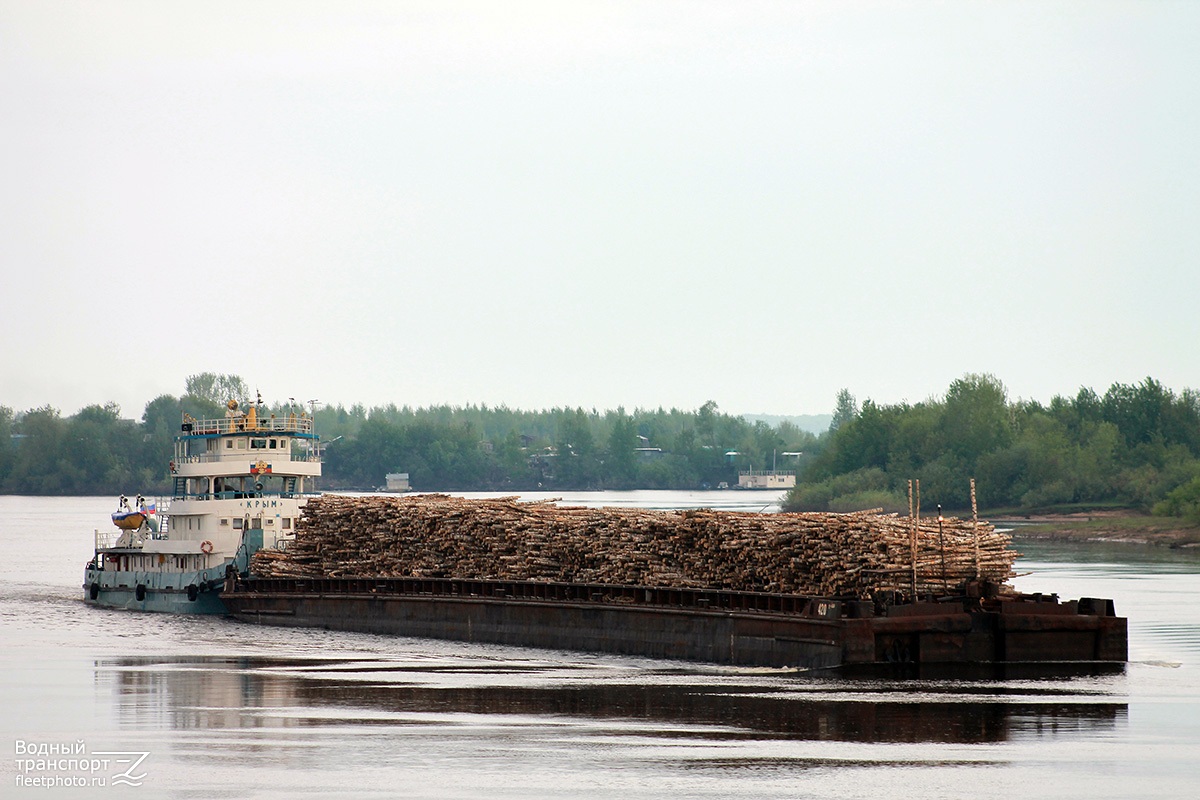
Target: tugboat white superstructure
x=239 y=484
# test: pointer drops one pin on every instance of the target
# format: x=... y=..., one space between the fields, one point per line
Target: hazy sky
x=596 y=204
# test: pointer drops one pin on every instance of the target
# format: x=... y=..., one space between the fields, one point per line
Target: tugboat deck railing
x=290 y=423
x=107 y=540
x=254 y=455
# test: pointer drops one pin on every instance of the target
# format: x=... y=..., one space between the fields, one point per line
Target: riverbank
x=1103 y=526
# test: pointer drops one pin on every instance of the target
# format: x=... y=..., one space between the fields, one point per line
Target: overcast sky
x=596 y=204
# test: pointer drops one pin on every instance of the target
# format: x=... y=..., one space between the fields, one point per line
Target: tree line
x=498 y=448
x=97 y=451
x=442 y=448
x=1136 y=446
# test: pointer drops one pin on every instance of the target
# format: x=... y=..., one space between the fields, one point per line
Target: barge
x=980 y=626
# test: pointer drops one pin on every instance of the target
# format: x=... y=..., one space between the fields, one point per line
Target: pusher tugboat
x=238 y=485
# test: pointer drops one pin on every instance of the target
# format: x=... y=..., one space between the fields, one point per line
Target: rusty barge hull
x=721 y=627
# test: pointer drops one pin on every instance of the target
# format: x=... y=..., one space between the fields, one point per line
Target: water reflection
x=254 y=692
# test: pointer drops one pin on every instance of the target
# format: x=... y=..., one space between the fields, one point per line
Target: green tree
x=846 y=410
x=7 y=445
x=706 y=422
x=864 y=441
x=976 y=418
x=577 y=465
x=218 y=388
x=38 y=466
x=621 y=458
x=1182 y=501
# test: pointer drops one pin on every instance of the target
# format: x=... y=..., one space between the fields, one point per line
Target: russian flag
x=150 y=509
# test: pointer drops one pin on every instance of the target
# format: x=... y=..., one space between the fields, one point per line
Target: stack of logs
x=822 y=554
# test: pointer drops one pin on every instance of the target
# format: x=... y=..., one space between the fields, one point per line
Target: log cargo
x=853 y=555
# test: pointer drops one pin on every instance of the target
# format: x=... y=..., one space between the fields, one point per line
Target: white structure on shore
x=766 y=479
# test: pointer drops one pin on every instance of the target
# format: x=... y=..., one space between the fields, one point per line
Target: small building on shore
x=648 y=453
x=766 y=479
x=398 y=482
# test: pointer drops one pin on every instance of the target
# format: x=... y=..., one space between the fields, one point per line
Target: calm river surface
x=224 y=709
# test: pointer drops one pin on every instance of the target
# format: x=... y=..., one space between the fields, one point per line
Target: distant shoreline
x=1103 y=526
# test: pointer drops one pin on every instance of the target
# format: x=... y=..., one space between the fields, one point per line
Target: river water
x=190 y=707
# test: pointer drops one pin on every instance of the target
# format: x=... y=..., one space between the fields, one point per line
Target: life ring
x=206 y=547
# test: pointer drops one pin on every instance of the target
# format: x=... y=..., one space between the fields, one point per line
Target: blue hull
x=169 y=592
